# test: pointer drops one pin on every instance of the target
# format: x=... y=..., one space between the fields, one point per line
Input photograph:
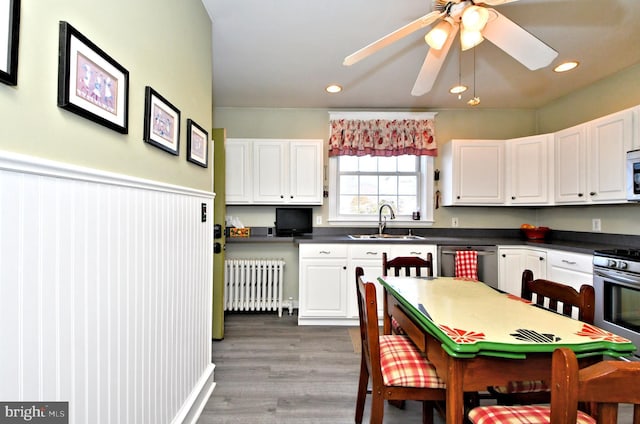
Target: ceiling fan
x=475 y=21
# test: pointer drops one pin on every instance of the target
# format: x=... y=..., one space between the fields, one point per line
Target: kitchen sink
x=385 y=237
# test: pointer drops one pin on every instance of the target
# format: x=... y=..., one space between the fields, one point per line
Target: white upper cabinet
x=530 y=160
x=238 y=182
x=610 y=138
x=277 y=171
x=591 y=159
x=473 y=172
x=571 y=164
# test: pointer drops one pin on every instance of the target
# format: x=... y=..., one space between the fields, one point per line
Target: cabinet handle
x=569 y=262
x=416 y=253
x=281 y=196
x=504 y=255
x=457 y=197
x=580 y=194
x=593 y=193
x=372 y=253
x=344 y=267
x=513 y=197
x=541 y=258
x=325 y=252
x=292 y=197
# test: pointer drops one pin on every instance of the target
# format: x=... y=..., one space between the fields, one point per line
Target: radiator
x=253 y=285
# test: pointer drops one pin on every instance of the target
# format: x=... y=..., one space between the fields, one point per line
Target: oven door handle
x=617 y=277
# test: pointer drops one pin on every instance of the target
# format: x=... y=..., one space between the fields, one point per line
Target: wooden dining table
x=476 y=336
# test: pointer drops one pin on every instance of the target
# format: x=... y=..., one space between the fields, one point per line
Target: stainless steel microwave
x=633 y=175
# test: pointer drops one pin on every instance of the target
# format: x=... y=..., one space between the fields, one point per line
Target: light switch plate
x=318 y=219
x=596 y=225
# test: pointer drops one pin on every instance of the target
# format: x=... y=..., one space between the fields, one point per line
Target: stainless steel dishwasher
x=487 y=262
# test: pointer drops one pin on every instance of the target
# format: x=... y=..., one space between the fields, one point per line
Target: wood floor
x=270 y=371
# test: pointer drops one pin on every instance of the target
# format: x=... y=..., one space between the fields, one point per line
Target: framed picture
x=197 y=144
x=9 y=34
x=90 y=83
x=161 y=122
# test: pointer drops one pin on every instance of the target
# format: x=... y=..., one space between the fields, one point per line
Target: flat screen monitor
x=293 y=221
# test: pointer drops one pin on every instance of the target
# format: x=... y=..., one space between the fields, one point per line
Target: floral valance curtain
x=382 y=137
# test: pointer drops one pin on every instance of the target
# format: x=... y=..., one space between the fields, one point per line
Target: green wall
x=164 y=44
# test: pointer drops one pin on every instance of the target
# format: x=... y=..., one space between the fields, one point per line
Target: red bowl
x=538 y=233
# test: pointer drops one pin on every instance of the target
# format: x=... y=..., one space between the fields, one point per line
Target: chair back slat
x=407 y=264
x=549 y=294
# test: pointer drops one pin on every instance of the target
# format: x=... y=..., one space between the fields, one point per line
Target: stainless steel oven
x=616 y=280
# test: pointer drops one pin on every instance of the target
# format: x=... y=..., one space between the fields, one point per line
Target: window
x=360 y=184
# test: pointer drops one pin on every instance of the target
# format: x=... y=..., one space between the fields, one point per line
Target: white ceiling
x=282 y=53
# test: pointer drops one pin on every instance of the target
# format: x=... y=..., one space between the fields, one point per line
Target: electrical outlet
x=318 y=219
x=454 y=221
x=596 y=225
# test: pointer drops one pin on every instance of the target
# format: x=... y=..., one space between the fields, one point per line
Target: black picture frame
x=161 y=122
x=197 y=144
x=10 y=33
x=90 y=82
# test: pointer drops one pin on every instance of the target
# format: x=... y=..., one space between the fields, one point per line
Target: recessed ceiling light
x=457 y=89
x=565 y=66
x=333 y=88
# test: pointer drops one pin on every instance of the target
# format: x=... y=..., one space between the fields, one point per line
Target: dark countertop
x=560 y=240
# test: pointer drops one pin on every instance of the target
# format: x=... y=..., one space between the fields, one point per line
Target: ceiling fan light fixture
x=566 y=66
x=333 y=88
x=474 y=18
x=438 y=35
x=469 y=39
x=474 y=102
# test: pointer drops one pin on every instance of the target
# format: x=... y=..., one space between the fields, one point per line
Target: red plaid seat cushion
x=530 y=414
x=523 y=387
x=403 y=365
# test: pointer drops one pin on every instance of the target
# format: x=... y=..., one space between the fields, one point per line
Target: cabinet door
x=323 y=288
x=238 y=176
x=513 y=261
x=270 y=182
x=529 y=170
x=305 y=174
x=510 y=270
x=609 y=140
x=369 y=257
x=479 y=168
x=570 y=165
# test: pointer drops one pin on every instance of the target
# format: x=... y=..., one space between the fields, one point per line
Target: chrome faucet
x=382 y=224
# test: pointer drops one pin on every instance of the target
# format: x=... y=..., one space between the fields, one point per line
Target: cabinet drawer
x=369 y=251
x=323 y=251
x=413 y=250
x=572 y=261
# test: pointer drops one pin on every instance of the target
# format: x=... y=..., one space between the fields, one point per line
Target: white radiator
x=253 y=285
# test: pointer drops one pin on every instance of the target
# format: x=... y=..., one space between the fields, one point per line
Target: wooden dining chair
x=409 y=265
x=606 y=384
x=396 y=368
x=559 y=298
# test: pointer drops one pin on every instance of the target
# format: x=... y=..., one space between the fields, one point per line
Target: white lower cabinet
x=513 y=260
x=323 y=282
x=327 y=278
x=570 y=268
x=574 y=269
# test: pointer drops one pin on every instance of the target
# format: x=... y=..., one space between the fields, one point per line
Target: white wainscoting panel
x=105 y=293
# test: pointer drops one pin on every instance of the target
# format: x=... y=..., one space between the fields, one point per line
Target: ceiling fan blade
x=396 y=35
x=517 y=42
x=495 y=2
x=431 y=66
